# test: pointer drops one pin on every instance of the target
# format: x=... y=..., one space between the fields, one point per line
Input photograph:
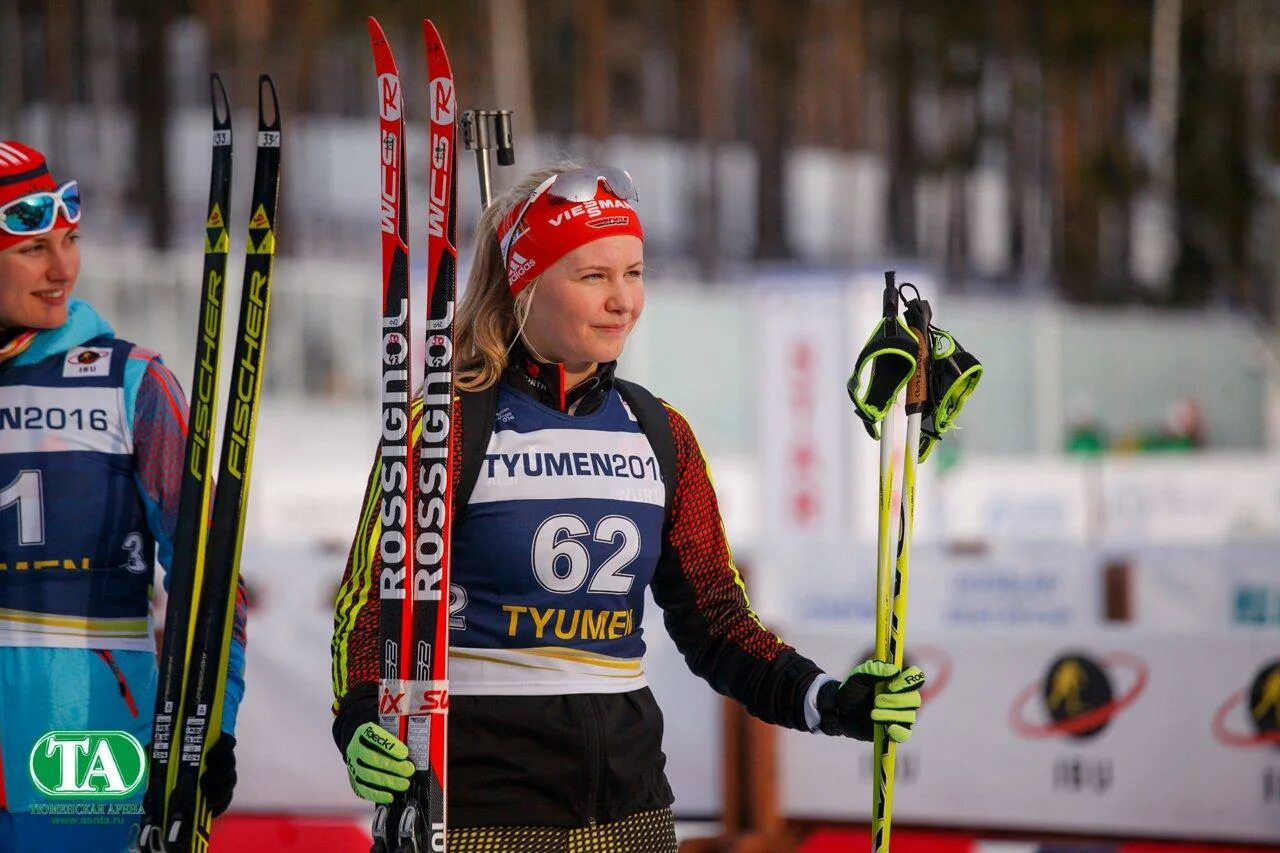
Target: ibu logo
x=87 y=764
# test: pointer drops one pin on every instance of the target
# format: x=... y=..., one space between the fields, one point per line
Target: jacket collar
x=83 y=325
x=545 y=381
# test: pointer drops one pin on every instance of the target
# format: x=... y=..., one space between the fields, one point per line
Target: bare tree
x=775 y=28
x=149 y=101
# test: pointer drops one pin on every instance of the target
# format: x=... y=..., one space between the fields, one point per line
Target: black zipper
x=595 y=749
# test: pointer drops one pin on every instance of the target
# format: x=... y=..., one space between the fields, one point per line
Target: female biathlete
x=576 y=491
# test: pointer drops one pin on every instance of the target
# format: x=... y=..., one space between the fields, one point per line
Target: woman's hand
x=850 y=709
x=377 y=764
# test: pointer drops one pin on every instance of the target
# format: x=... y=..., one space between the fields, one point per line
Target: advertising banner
x=1010 y=586
x=1036 y=499
x=803 y=421
x=1107 y=732
x=1189 y=499
x=1209 y=588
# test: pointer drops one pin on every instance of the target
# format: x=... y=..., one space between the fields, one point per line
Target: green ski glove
x=377 y=764
x=850 y=709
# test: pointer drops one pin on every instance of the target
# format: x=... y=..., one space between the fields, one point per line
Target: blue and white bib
x=75 y=561
x=553 y=552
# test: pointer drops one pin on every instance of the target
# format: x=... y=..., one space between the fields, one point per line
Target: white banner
x=831 y=584
x=804 y=421
x=1092 y=731
x=803 y=409
x=1023 y=499
x=1188 y=499
x=1208 y=588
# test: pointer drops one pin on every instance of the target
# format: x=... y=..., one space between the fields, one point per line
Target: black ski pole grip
x=502 y=131
x=890 y=298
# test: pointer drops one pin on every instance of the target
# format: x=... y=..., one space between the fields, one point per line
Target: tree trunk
x=711 y=113
x=775 y=25
x=512 y=73
x=902 y=157
x=591 y=82
x=150 y=103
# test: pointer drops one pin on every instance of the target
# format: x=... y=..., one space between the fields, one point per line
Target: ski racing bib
x=76 y=554
x=553 y=552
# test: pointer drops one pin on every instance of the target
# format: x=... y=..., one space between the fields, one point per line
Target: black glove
x=851 y=709
x=219 y=777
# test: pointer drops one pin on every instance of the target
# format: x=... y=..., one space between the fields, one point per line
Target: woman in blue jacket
x=92 y=440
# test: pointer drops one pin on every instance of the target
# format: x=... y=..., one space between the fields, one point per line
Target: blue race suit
x=92 y=440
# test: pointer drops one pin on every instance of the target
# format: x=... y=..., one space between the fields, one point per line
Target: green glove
x=850 y=709
x=376 y=764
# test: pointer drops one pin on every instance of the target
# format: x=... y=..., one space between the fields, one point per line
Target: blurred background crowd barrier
x=1089 y=195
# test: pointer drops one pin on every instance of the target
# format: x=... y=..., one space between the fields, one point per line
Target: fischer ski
x=180 y=820
x=416 y=508
x=193 y=503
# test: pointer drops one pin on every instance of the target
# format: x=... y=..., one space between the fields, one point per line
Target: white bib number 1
x=27 y=492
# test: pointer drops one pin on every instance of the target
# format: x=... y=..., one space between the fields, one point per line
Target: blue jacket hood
x=83 y=325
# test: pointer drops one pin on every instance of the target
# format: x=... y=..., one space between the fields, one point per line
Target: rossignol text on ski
x=416 y=502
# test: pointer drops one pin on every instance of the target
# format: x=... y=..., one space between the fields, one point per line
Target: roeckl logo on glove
x=383 y=743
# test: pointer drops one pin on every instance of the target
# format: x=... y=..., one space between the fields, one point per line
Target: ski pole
x=882 y=775
x=484 y=131
x=891 y=622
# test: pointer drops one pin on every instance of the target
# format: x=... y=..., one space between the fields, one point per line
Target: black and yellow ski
x=202 y=611
x=193 y=505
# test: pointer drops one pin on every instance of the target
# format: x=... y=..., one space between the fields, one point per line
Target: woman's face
x=586 y=304
x=36 y=280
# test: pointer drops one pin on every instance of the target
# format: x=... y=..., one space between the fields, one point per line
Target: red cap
x=551 y=229
x=23 y=171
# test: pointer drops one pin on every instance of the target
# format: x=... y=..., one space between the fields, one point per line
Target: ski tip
x=221 y=106
x=267 y=92
x=431 y=33
x=375 y=31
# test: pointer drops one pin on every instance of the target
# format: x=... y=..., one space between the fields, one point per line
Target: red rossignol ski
x=433 y=505
x=396 y=461
x=413 y=695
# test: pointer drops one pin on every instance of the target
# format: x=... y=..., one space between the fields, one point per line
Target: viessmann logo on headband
x=591 y=210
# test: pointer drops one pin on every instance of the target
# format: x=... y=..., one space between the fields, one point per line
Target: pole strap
x=953 y=377
x=884 y=367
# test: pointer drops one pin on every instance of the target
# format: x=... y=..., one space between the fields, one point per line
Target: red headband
x=549 y=228
x=23 y=171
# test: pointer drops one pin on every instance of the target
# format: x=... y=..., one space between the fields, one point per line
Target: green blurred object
x=1086 y=442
